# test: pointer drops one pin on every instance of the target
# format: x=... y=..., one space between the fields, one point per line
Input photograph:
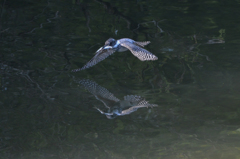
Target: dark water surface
x=46 y=111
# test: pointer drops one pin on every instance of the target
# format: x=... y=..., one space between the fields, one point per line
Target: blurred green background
x=46 y=113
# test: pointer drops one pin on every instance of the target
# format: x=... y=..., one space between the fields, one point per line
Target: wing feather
x=142 y=44
x=139 y=52
x=100 y=93
x=100 y=56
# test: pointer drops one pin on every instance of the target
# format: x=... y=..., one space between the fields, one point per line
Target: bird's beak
x=107 y=47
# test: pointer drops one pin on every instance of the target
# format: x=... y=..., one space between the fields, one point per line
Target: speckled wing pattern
x=133 y=98
x=100 y=55
x=99 y=92
x=139 y=52
x=138 y=101
x=143 y=43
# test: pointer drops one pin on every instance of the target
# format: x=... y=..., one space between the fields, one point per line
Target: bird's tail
x=142 y=44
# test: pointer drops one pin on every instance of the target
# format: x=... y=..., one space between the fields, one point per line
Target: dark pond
x=109 y=110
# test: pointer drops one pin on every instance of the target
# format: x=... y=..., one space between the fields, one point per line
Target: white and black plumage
x=112 y=45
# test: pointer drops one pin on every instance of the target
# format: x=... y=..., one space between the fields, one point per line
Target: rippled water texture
x=184 y=105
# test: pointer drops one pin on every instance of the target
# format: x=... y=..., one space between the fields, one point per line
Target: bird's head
x=109 y=44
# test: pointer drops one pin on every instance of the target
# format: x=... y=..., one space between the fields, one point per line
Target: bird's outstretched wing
x=101 y=54
x=139 y=52
x=133 y=98
x=138 y=102
x=100 y=93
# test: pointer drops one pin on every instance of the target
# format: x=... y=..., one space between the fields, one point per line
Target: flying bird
x=112 y=45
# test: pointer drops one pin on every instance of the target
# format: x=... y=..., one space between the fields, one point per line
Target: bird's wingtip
x=76 y=70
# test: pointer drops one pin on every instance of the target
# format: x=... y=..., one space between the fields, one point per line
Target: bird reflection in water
x=115 y=106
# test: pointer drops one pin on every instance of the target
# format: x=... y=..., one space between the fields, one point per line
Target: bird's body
x=112 y=45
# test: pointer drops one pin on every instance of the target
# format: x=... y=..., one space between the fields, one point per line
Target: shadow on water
x=47 y=111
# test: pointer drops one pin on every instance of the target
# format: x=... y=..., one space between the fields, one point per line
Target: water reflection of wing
x=137 y=102
x=100 y=93
x=133 y=98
